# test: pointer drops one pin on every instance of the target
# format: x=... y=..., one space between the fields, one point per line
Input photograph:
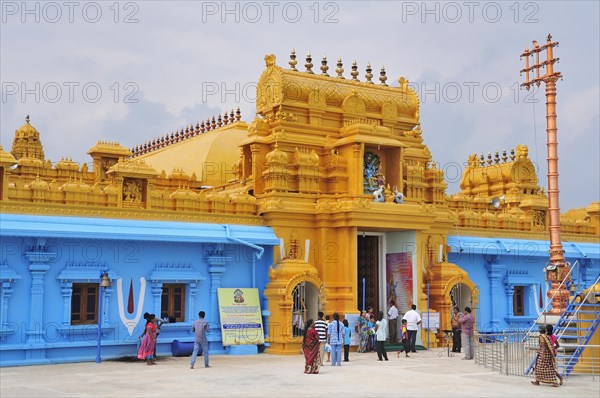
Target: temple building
x=328 y=199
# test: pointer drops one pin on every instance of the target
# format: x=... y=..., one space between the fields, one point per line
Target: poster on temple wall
x=399 y=280
x=241 y=320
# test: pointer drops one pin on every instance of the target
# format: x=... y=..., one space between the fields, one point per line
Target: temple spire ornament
x=382 y=76
x=369 y=75
x=308 y=65
x=556 y=269
x=354 y=72
x=339 y=70
x=293 y=61
x=324 y=67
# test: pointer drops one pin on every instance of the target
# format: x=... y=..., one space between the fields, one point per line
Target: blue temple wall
x=497 y=266
x=41 y=257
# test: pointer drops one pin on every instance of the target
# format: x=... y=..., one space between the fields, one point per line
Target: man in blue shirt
x=200 y=329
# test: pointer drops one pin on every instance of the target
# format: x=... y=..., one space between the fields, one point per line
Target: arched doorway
x=306 y=305
x=461 y=296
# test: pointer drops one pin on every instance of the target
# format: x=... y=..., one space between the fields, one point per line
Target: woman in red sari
x=545 y=365
x=148 y=344
x=310 y=348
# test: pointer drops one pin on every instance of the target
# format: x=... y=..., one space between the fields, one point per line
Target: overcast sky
x=132 y=71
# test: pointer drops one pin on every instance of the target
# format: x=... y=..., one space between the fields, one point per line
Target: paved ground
x=424 y=374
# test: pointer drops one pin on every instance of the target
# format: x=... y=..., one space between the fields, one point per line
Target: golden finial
x=293 y=61
x=403 y=83
x=238 y=114
x=27 y=119
x=324 y=67
x=219 y=121
x=489 y=158
x=497 y=158
x=226 y=118
x=382 y=76
x=231 y=115
x=369 y=75
x=309 y=64
x=512 y=155
x=354 y=72
x=482 y=160
x=339 y=70
x=504 y=157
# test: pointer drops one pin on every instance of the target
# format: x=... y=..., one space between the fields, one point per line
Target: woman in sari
x=363 y=331
x=545 y=363
x=310 y=348
x=148 y=344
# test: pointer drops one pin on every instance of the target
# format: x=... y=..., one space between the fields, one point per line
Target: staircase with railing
x=575 y=328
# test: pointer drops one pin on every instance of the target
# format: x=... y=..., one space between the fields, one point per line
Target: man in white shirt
x=413 y=320
x=393 y=322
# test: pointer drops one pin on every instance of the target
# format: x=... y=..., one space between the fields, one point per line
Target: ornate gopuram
x=327 y=200
x=501 y=240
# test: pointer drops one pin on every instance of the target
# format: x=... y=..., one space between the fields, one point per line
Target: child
x=327 y=346
x=371 y=326
x=346 y=341
x=555 y=345
x=404 y=335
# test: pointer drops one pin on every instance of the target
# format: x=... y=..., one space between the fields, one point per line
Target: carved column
x=156 y=297
x=216 y=270
x=66 y=289
x=39 y=258
x=193 y=291
x=509 y=290
x=496 y=273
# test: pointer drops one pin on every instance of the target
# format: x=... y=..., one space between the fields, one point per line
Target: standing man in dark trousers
x=393 y=322
x=413 y=320
x=456 y=330
x=321 y=328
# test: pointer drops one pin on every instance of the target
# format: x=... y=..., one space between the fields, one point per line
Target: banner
x=241 y=320
x=399 y=280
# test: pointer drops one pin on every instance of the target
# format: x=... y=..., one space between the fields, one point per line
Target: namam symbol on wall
x=130 y=324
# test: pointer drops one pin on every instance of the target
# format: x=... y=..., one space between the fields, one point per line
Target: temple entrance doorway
x=460 y=296
x=368 y=269
x=306 y=306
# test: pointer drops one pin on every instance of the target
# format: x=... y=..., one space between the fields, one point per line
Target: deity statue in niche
x=372 y=172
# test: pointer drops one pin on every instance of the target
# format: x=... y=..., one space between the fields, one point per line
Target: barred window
x=173 y=301
x=84 y=304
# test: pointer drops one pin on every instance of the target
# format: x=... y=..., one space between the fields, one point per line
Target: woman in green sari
x=363 y=331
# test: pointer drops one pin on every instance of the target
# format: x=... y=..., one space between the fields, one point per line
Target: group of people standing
x=147 y=350
x=463 y=332
x=373 y=334
x=319 y=334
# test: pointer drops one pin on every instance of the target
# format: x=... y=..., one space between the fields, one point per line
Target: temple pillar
x=39 y=258
x=216 y=269
x=496 y=273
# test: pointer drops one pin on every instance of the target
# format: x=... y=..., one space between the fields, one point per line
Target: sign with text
x=241 y=321
x=430 y=320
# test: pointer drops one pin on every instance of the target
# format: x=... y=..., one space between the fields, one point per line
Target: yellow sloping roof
x=210 y=156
